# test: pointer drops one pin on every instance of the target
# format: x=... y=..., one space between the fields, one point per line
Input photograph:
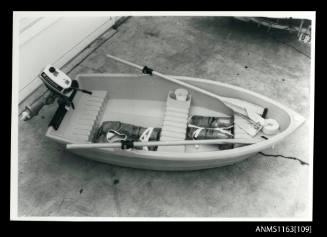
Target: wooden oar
x=232 y=103
x=166 y=143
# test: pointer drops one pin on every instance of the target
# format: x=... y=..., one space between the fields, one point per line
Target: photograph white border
x=311 y=15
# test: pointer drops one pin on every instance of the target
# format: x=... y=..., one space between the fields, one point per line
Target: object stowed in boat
x=113 y=131
x=199 y=128
x=202 y=127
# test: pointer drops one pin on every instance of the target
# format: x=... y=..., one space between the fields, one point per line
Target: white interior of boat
x=141 y=100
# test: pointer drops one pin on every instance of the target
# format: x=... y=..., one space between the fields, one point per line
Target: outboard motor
x=60 y=86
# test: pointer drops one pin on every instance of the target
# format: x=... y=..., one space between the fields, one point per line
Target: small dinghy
x=182 y=123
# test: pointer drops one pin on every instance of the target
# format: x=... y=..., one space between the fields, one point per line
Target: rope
x=112 y=134
x=199 y=129
x=146 y=136
x=286 y=157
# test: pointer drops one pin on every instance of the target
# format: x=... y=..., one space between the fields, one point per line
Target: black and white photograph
x=162 y=116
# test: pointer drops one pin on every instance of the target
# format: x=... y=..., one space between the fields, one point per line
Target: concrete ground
x=54 y=182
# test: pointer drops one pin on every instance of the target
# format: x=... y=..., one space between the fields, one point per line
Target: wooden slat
x=175 y=122
x=176 y=134
x=87 y=112
x=173 y=129
x=176 y=115
x=172 y=124
x=179 y=110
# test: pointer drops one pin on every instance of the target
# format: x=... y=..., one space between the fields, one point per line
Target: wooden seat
x=175 y=122
x=79 y=124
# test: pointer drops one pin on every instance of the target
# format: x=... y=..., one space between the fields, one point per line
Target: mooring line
x=287 y=157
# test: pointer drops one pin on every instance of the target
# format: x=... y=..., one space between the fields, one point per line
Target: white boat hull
x=156 y=160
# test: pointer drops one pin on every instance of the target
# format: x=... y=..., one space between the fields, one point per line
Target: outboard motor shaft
x=33 y=109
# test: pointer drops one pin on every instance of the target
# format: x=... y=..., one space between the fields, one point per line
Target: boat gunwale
x=296 y=120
